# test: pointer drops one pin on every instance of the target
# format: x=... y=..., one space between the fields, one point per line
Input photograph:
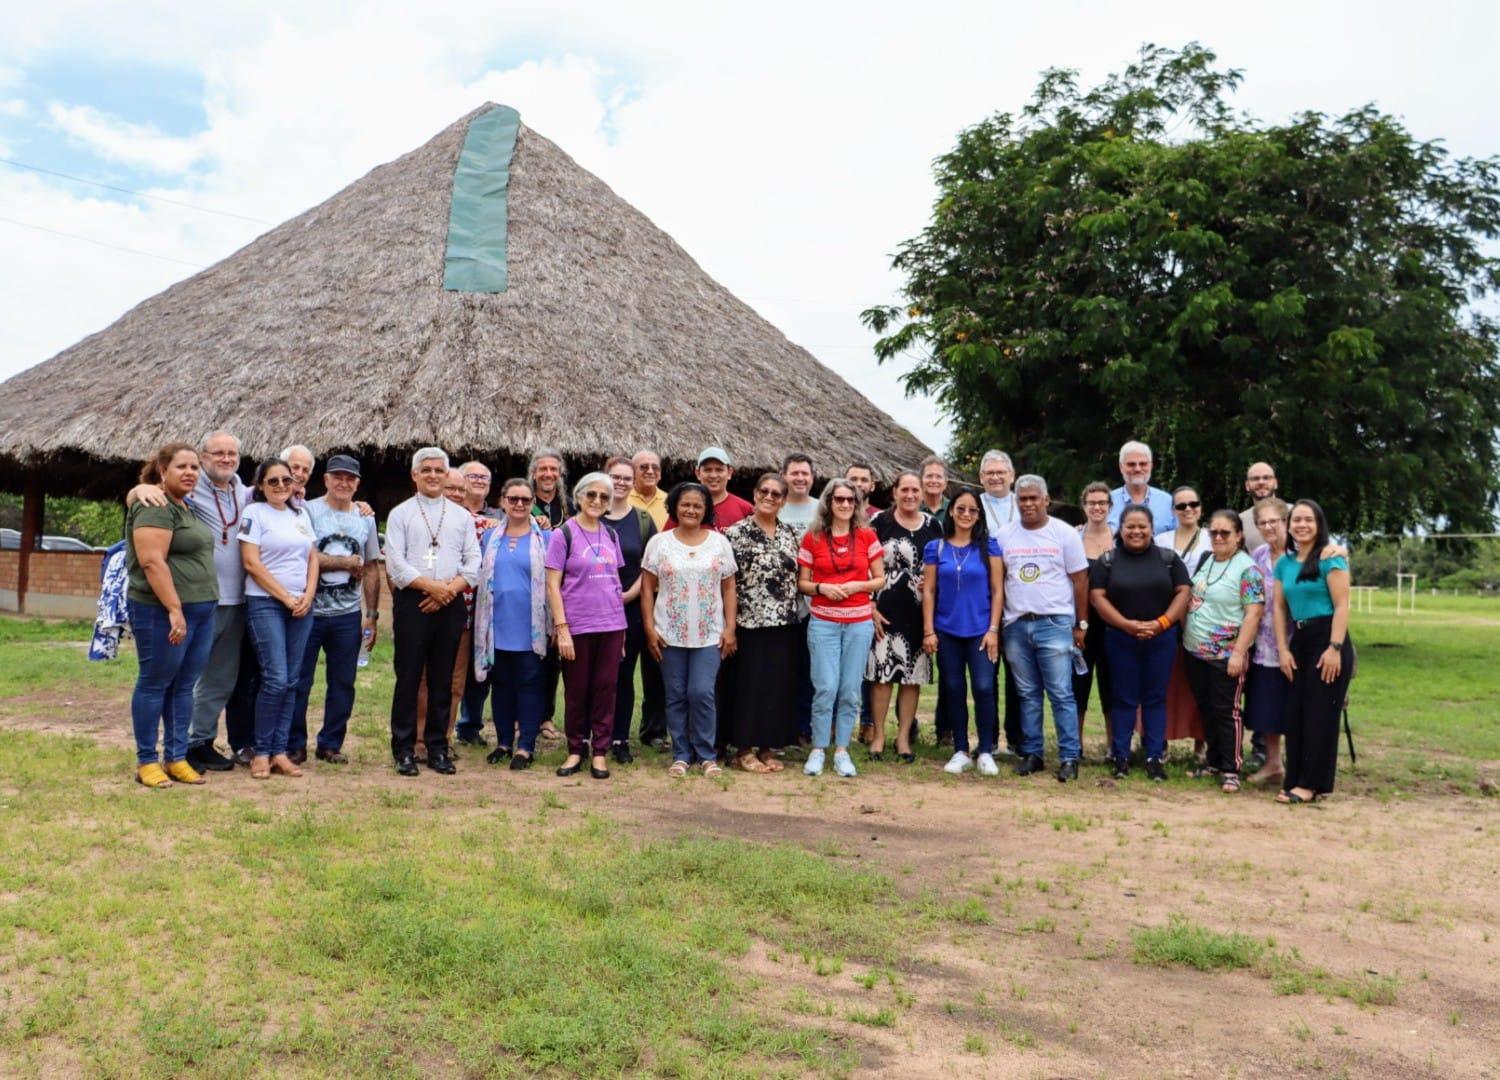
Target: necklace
x=1209 y=581
x=219 y=509
x=959 y=564
x=835 y=550
x=596 y=545
x=432 y=534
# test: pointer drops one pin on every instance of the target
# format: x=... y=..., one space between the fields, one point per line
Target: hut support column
x=32 y=509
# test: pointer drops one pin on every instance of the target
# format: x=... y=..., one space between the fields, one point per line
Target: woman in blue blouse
x=1312 y=638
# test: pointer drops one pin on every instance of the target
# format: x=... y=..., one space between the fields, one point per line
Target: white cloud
x=13 y=107
x=787 y=147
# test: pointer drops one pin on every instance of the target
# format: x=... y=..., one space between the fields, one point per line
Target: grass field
x=350 y=924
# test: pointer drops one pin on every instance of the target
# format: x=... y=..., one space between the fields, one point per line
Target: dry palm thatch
x=334 y=329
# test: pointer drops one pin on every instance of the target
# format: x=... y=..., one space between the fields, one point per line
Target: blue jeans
x=1139 y=672
x=340 y=636
x=280 y=640
x=1040 y=652
x=836 y=654
x=516 y=699
x=954 y=655
x=163 y=698
x=690 y=676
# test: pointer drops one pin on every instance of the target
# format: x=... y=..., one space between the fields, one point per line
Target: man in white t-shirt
x=800 y=507
x=1046 y=607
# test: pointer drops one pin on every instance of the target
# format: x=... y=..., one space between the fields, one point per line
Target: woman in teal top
x=1224 y=612
x=1312 y=636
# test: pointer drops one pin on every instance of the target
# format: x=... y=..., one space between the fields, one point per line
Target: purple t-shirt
x=590 y=562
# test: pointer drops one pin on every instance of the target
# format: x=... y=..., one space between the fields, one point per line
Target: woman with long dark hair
x=963 y=594
x=1312 y=639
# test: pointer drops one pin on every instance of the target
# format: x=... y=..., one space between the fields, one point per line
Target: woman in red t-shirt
x=840 y=565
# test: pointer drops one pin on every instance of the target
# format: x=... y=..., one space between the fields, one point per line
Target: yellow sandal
x=184 y=773
x=152 y=776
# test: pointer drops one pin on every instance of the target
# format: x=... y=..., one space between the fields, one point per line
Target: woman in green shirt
x=173 y=591
x=1312 y=637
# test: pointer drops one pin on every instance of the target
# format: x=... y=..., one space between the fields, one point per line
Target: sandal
x=283 y=765
x=711 y=770
x=1231 y=783
x=152 y=775
x=1291 y=797
x=750 y=763
x=679 y=769
x=260 y=767
x=769 y=760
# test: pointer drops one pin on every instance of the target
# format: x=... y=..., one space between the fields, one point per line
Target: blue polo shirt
x=1157 y=501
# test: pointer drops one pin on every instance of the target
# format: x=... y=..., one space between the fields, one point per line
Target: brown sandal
x=285 y=766
x=770 y=761
x=750 y=763
x=260 y=767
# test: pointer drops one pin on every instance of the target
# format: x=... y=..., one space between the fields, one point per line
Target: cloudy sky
x=786 y=146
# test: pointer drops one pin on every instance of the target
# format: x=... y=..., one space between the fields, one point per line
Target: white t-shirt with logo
x=284 y=537
x=1037 y=565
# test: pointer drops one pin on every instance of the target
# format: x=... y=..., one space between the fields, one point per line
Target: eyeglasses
x=769 y=493
x=1267 y=521
x=1096 y=503
x=595 y=496
x=1259 y=479
x=477 y=477
x=278 y=481
x=648 y=468
x=622 y=479
x=843 y=500
x=1220 y=534
x=963 y=510
x=1187 y=505
x=517 y=500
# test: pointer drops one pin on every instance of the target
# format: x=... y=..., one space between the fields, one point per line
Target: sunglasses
x=768 y=493
x=648 y=468
x=963 y=510
x=517 y=500
x=1187 y=505
x=595 y=496
x=1221 y=534
x=278 y=481
x=843 y=500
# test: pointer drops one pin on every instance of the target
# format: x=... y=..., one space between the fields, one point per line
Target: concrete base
x=48 y=606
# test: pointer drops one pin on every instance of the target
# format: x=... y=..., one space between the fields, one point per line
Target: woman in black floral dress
x=765 y=551
x=897 y=659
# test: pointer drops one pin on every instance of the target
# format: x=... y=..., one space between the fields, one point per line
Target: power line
x=130 y=191
x=101 y=243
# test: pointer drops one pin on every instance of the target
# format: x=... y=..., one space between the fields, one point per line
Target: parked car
x=10 y=540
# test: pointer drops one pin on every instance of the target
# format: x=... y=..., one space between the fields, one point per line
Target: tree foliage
x=1139 y=261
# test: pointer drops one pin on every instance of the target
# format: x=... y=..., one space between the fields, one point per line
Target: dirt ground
x=1027 y=970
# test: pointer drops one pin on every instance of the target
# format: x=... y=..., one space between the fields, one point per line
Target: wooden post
x=32 y=503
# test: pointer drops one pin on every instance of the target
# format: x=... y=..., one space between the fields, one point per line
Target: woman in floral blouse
x=765 y=551
x=688 y=616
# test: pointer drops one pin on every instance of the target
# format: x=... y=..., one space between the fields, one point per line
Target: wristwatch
x=1081 y=624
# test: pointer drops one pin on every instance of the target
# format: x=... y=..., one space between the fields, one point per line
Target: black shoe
x=1253 y=764
x=875 y=755
x=657 y=743
x=298 y=756
x=204 y=756
x=471 y=738
x=622 y=753
x=1068 y=770
x=333 y=757
x=439 y=762
x=598 y=773
x=907 y=759
x=1121 y=768
x=1155 y=770
x=1030 y=763
x=406 y=765
x=497 y=755
x=519 y=762
x=242 y=756
x=570 y=770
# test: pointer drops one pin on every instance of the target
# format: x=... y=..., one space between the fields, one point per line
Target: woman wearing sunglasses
x=841 y=564
x=588 y=615
x=767 y=615
x=1224 y=612
x=511 y=628
x=278 y=547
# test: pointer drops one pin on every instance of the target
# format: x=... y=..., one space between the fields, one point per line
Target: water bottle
x=364 y=647
x=1080 y=665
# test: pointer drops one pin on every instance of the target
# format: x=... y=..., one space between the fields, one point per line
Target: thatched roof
x=334 y=330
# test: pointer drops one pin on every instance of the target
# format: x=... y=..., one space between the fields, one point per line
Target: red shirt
x=838 y=561
x=726 y=513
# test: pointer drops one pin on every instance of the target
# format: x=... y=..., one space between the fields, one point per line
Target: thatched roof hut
x=336 y=330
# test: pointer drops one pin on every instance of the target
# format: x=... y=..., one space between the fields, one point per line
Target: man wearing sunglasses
x=1135 y=469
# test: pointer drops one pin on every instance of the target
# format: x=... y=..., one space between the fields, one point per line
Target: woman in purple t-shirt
x=588 y=614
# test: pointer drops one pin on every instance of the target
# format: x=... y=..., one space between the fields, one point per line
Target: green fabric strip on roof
x=475 y=259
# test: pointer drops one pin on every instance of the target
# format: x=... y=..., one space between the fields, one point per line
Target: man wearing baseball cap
x=714 y=470
x=348 y=546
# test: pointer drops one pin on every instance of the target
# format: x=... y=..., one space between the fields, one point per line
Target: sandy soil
x=1048 y=987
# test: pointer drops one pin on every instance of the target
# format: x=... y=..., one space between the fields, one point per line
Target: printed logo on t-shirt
x=1029 y=572
x=245 y=526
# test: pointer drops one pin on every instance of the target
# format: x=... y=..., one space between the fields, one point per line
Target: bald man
x=1260 y=482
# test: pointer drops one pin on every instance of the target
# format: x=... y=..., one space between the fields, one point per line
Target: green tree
x=1139 y=261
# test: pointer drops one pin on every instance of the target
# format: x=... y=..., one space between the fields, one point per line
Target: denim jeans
x=221 y=672
x=280 y=640
x=954 y=655
x=1140 y=672
x=836 y=656
x=163 y=698
x=690 y=677
x=516 y=699
x=1040 y=652
x=340 y=637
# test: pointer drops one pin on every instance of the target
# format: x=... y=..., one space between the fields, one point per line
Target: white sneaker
x=814 y=766
x=987 y=766
x=843 y=764
x=959 y=762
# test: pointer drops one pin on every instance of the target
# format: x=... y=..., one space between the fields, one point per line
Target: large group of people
x=759 y=628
